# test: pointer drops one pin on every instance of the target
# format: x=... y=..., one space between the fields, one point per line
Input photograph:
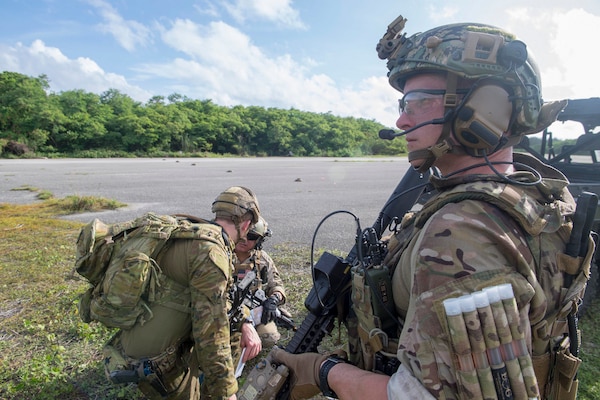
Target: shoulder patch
x=221 y=260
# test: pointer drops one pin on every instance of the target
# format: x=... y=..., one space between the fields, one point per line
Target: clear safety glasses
x=419 y=102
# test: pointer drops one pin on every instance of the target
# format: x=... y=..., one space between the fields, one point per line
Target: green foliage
x=72 y=204
x=550 y=148
x=79 y=124
x=589 y=387
x=26 y=188
x=102 y=153
x=77 y=204
x=47 y=352
x=23 y=108
x=45 y=195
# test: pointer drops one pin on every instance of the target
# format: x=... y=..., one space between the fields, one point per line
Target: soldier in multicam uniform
x=470 y=92
x=185 y=346
x=251 y=256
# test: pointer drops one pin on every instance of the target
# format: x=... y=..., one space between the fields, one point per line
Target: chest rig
x=252 y=263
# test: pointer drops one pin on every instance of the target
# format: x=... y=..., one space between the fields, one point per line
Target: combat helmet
x=261 y=228
x=482 y=54
x=261 y=231
x=235 y=202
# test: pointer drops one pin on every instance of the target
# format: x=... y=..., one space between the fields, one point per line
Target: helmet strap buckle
x=450 y=100
x=441 y=148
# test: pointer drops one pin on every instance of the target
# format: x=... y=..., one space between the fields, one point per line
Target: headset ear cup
x=483 y=119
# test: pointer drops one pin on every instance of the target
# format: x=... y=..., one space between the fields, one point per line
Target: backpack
x=118 y=261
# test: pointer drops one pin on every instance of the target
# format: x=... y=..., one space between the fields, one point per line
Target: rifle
x=331 y=284
x=254 y=302
x=238 y=294
x=242 y=297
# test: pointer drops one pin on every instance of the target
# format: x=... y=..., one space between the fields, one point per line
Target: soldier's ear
x=246 y=225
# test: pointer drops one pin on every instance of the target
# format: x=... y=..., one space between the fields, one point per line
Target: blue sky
x=311 y=55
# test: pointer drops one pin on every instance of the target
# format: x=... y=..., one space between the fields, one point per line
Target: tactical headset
x=486 y=113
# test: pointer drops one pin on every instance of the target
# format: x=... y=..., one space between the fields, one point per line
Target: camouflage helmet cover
x=236 y=201
x=471 y=51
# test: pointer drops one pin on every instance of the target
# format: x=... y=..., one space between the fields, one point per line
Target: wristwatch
x=324 y=371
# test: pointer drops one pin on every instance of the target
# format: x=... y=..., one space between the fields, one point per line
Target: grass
x=46 y=352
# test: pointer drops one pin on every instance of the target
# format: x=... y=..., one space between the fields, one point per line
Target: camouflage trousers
x=180 y=383
x=171 y=375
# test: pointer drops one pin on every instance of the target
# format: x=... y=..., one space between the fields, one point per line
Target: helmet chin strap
x=430 y=154
x=443 y=144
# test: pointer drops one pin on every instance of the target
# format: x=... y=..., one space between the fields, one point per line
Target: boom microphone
x=390 y=134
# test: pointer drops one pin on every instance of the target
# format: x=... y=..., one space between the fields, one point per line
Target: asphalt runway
x=295 y=194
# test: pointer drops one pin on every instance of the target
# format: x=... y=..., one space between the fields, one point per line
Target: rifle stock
x=332 y=283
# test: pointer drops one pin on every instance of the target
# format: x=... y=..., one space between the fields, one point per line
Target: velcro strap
x=540 y=337
x=419 y=154
x=559 y=327
x=541 y=367
x=567 y=366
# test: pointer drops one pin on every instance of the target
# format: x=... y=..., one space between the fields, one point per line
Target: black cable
x=312 y=245
x=503 y=177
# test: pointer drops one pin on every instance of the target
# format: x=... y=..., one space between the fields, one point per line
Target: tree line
x=75 y=123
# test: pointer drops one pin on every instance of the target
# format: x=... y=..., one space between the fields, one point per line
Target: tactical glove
x=269 y=312
x=304 y=371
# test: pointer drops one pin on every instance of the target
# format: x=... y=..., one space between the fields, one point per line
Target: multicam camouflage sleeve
x=462 y=248
x=210 y=325
x=274 y=281
x=403 y=385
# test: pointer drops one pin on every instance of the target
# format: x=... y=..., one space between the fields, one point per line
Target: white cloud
x=207 y=8
x=64 y=73
x=127 y=32
x=224 y=65
x=574 y=45
x=561 y=41
x=442 y=13
x=280 y=12
x=221 y=63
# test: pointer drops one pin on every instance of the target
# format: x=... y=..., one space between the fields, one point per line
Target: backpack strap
x=165 y=291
